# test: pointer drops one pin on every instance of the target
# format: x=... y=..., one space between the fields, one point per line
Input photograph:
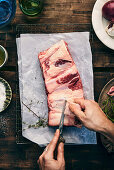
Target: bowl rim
x=6 y=56
x=3 y=80
x=14 y=4
x=100 y=96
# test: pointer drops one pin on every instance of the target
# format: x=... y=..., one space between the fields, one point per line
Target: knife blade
x=61 y=124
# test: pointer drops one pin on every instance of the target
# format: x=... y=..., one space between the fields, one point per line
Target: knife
x=61 y=124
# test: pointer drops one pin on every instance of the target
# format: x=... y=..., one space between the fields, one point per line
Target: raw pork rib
x=62 y=81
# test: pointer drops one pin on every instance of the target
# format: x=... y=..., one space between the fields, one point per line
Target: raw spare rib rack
x=41 y=29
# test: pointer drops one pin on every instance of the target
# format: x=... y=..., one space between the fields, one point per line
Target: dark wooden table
x=21 y=157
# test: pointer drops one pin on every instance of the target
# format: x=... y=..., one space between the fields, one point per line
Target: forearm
x=93 y=117
x=108 y=130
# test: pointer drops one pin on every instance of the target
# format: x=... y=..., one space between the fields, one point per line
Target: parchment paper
x=32 y=90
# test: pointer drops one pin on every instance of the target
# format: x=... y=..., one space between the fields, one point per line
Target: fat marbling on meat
x=62 y=81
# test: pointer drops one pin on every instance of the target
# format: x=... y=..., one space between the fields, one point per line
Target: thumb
x=79 y=114
x=60 y=155
x=81 y=102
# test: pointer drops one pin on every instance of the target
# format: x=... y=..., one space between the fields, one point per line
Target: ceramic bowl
x=6 y=56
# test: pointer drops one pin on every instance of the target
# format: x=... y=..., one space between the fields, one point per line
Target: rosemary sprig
x=108 y=107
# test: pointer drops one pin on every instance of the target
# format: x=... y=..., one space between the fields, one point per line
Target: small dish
x=103 y=96
x=8 y=93
x=99 y=24
x=3 y=56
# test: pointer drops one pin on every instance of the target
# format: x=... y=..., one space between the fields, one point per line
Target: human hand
x=91 y=115
x=46 y=160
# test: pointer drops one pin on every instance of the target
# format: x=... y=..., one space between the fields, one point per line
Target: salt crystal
x=2 y=96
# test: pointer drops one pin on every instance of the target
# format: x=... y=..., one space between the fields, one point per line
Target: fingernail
x=57 y=131
x=61 y=145
x=71 y=105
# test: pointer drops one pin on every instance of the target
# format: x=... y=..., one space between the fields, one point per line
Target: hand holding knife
x=53 y=155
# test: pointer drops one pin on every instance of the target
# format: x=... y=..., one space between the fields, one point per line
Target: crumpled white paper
x=32 y=88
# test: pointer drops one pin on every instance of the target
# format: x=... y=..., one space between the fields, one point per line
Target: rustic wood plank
x=24 y=157
x=77 y=156
x=55 y=17
x=103 y=59
x=59 y=12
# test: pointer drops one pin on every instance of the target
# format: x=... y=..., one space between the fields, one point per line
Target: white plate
x=100 y=23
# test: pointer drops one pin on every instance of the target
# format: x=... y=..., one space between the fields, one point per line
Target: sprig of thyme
x=41 y=120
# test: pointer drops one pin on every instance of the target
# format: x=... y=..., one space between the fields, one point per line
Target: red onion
x=108 y=11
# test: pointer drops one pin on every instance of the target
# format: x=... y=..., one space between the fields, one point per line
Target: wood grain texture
x=24 y=157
